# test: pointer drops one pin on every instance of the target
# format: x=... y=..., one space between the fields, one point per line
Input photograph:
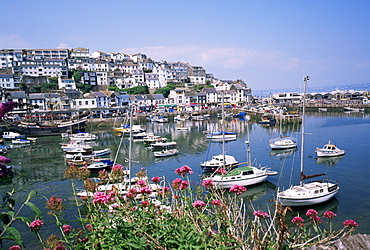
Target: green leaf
x=11 y=204
x=24 y=219
x=32 y=194
x=35 y=209
x=16 y=236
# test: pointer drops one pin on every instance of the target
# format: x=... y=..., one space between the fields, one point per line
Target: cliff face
x=351 y=242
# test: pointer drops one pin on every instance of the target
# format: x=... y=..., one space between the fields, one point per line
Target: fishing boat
x=307 y=193
x=166 y=152
x=37 y=129
x=9 y=135
x=245 y=175
x=329 y=150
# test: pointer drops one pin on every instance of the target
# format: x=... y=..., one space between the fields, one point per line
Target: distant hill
x=356 y=87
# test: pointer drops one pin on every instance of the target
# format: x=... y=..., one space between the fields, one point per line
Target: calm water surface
x=41 y=166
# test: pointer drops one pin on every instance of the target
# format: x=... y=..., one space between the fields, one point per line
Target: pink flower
x=311 y=213
x=145 y=190
x=199 y=204
x=15 y=247
x=350 y=223
x=117 y=167
x=67 y=229
x=221 y=171
x=184 y=170
x=216 y=202
x=261 y=214
x=237 y=189
x=164 y=190
x=3 y=159
x=316 y=219
x=89 y=227
x=145 y=203
x=184 y=185
x=297 y=220
x=141 y=183
x=329 y=215
x=156 y=179
x=36 y=225
x=208 y=183
x=179 y=184
x=102 y=198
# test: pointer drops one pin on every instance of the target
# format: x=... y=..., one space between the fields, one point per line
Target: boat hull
x=34 y=130
x=240 y=182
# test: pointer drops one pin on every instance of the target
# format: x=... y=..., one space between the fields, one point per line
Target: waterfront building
x=7 y=81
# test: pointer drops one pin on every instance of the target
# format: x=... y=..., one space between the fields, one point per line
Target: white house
x=66 y=83
x=152 y=80
x=84 y=103
x=7 y=81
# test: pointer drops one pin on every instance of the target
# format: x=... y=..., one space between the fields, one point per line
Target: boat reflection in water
x=283 y=152
x=328 y=161
x=254 y=192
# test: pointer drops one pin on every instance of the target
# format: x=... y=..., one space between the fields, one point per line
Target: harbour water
x=41 y=165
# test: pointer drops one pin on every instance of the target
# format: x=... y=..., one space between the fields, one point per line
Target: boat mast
x=130 y=150
x=223 y=129
x=303 y=130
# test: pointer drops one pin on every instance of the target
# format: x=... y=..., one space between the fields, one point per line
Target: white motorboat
x=329 y=150
x=73 y=145
x=21 y=141
x=166 y=152
x=307 y=193
x=83 y=136
x=163 y=145
x=283 y=142
x=9 y=135
x=219 y=161
x=221 y=135
x=352 y=109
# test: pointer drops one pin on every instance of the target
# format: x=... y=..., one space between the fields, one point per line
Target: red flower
x=311 y=213
x=297 y=220
x=15 y=247
x=261 y=214
x=36 y=225
x=145 y=203
x=67 y=229
x=216 y=202
x=156 y=179
x=199 y=204
x=350 y=223
x=208 y=183
x=184 y=170
x=237 y=189
x=329 y=215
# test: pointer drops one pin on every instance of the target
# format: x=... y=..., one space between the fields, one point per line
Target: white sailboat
x=245 y=175
x=309 y=193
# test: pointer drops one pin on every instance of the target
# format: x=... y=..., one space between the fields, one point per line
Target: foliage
x=85 y=88
x=139 y=90
x=153 y=216
x=46 y=87
x=165 y=91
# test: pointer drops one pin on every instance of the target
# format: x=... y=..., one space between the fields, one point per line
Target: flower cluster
x=67 y=229
x=55 y=205
x=221 y=171
x=3 y=159
x=103 y=198
x=237 y=189
x=208 y=184
x=184 y=170
x=329 y=215
x=73 y=172
x=36 y=225
x=179 y=184
x=156 y=179
x=199 y=204
x=145 y=190
x=298 y=221
x=261 y=214
x=6 y=107
x=350 y=223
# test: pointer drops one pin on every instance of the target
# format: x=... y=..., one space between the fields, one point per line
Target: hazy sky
x=268 y=44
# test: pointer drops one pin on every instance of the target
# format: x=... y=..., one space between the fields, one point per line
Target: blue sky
x=268 y=44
